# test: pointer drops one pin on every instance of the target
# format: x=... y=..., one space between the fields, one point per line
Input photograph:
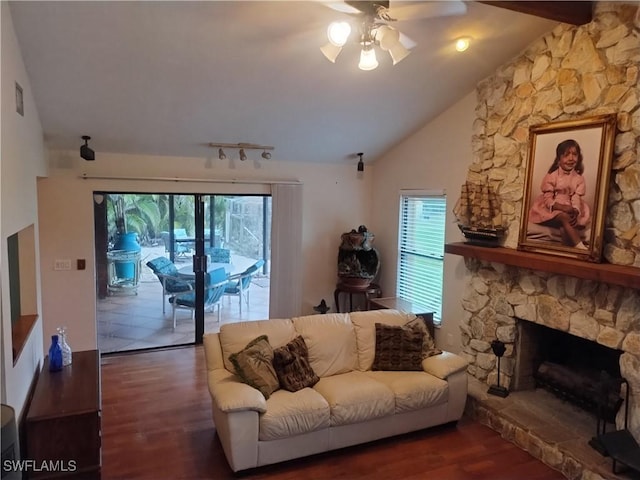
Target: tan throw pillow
x=398 y=348
x=428 y=345
x=254 y=365
x=291 y=363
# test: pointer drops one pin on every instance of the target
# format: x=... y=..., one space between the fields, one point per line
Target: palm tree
x=139 y=213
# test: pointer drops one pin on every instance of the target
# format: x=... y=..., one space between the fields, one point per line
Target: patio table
x=229 y=268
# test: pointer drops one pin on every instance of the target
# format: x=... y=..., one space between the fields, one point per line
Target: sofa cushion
x=364 y=326
x=428 y=344
x=235 y=336
x=354 y=397
x=331 y=340
x=254 y=365
x=398 y=348
x=293 y=413
x=413 y=390
x=291 y=363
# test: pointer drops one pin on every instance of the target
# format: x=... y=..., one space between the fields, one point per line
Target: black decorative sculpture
x=322 y=308
x=498 y=348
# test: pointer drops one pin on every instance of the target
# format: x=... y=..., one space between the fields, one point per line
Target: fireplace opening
x=573 y=368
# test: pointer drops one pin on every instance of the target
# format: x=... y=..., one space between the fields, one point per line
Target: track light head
x=85 y=152
x=266 y=155
x=221 y=154
x=243 y=156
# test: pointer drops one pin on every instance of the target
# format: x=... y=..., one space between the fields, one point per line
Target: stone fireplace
x=572 y=72
x=573 y=368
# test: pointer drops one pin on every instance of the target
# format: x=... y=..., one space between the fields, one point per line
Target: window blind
x=421 y=251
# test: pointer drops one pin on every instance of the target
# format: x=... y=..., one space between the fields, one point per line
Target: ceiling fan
x=373 y=19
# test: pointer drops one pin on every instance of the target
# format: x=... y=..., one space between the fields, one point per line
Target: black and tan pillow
x=398 y=348
x=428 y=345
x=254 y=365
x=291 y=363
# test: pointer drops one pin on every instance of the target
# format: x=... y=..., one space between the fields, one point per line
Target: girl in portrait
x=561 y=204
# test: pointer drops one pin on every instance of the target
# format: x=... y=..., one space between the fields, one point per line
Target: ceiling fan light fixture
x=398 y=52
x=338 y=33
x=331 y=52
x=387 y=37
x=368 y=60
x=462 y=43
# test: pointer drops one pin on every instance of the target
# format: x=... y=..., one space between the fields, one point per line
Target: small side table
x=373 y=289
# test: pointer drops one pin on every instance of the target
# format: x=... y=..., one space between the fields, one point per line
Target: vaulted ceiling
x=167 y=78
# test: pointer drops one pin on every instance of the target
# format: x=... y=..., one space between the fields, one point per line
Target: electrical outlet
x=81 y=264
x=62 y=264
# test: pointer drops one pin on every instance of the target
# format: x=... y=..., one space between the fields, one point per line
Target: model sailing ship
x=478 y=214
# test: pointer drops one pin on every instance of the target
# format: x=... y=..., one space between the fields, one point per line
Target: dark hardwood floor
x=156 y=424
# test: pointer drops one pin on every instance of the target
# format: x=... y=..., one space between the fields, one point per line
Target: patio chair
x=218 y=255
x=215 y=283
x=239 y=284
x=180 y=249
x=167 y=274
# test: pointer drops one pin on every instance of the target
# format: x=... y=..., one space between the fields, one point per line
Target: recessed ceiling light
x=462 y=43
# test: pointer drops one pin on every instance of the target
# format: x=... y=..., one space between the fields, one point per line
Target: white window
x=421 y=249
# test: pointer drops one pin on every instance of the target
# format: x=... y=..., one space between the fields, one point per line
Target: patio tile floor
x=133 y=322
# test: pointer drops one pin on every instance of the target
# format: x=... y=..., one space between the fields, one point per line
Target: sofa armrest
x=444 y=364
x=231 y=395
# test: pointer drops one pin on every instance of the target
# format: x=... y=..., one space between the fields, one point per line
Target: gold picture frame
x=566 y=187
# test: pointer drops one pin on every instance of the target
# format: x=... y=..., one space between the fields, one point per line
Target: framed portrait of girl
x=566 y=187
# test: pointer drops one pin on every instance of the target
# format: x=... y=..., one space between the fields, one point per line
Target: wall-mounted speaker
x=85 y=152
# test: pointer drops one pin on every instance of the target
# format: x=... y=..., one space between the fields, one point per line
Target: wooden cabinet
x=63 y=420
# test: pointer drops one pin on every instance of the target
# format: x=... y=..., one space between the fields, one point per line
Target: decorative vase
x=358 y=260
x=55 y=355
x=67 y=356
x=126 y=242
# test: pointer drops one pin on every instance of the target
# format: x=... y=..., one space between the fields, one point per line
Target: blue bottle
x=55 y=355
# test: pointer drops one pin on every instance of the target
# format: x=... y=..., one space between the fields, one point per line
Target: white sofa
x=350 y=404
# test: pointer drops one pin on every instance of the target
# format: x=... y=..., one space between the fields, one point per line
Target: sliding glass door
x=157 y=256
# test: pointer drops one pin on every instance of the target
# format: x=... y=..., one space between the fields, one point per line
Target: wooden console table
x=397 y=303
x=63 y=419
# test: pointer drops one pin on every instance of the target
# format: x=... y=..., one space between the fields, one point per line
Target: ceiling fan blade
x=418 y=10
x=341 y=6
x=407 y=42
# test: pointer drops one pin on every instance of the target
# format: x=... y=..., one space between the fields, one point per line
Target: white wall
x=22 y=159
x=434 y=158
x=335 y=200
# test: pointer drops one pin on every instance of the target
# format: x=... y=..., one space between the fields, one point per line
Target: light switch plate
x=62 y=264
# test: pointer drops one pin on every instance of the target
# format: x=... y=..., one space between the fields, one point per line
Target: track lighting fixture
x=85 y=152
x=360 y=162
x=241 y=149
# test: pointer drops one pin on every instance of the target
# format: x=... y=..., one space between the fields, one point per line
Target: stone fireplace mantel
x=620 y=275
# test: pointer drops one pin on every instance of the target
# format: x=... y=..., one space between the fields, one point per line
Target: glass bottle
x=66 y=349
x=55 y=355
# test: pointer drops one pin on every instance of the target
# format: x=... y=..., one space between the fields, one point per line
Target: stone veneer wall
x=572 y=72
